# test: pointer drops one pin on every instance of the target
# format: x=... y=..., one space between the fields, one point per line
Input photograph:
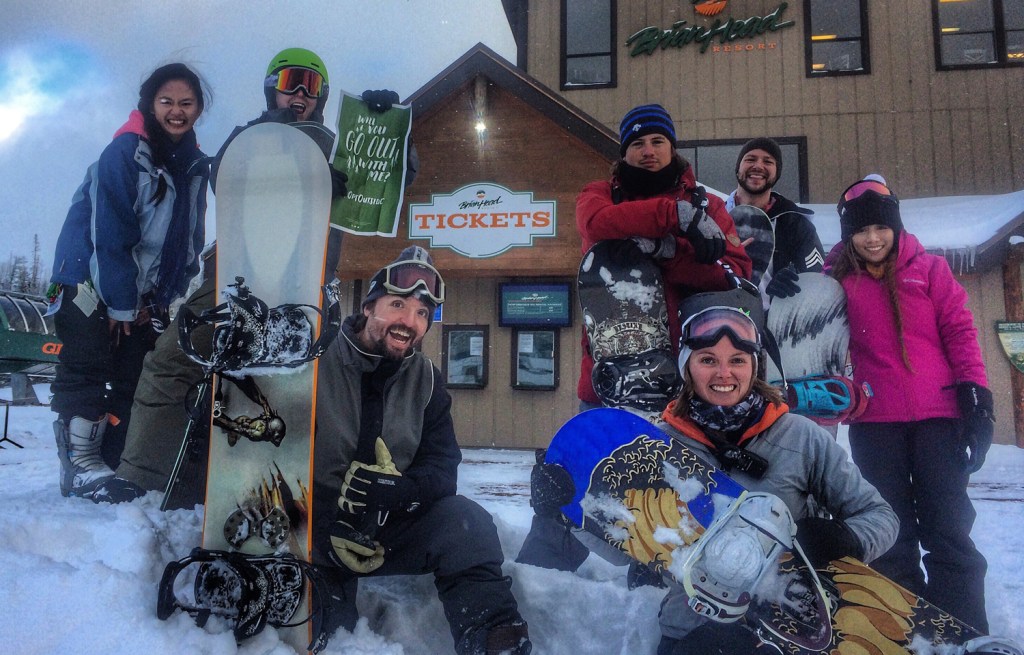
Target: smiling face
x=651 y=152
x=873 y=243
x=395 y=325
x=721 y=374
x=298 y=102
x=176 y=108
x=758 y=172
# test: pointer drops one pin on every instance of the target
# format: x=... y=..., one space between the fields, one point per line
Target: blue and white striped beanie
x=643 y=120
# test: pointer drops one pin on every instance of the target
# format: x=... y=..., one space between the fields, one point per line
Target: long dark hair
x=849 y=262
x=157 y=137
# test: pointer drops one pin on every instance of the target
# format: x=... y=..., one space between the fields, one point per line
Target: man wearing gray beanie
x=797 y=246
x=385 y=463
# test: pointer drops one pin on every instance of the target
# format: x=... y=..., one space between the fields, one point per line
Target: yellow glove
x=377 y=486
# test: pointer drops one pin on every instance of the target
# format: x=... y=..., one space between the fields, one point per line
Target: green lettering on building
x=649 y=39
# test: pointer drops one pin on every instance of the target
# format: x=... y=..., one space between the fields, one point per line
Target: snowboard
x=813 y=337
x=622 y=300
x=752 y=223
x=659 y=502
x=273 y=205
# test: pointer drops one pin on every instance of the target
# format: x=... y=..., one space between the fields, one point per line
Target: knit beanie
x=643 y=120
x=766 y=144
x=377 y=289
x=868 y=202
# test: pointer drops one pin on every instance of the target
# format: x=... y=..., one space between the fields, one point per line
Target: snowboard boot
x=506 y=639
x=117 y=490
x=79 y=442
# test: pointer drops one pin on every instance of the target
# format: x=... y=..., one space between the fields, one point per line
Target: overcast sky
x=70 y=72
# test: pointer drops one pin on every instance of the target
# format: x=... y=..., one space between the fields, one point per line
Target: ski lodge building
x=928 y=93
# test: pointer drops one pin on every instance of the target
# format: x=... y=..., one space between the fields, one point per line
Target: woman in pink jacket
x=929 y=422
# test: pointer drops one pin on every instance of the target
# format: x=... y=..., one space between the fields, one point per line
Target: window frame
x=514 y=380
x=799 y=141
x=998 y=35
x=864 y=39
x=611 y=53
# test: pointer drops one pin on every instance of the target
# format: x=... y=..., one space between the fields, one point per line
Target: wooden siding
x=931 y=133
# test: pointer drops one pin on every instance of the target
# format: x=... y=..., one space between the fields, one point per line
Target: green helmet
x=298 y=58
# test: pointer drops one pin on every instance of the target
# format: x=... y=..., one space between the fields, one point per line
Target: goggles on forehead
x=406 y=277
x=706 y=328
x=858 y=189
x=290 y=80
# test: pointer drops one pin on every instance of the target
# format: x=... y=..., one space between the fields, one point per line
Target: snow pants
x=454 y=539
x=159 y=418
x=918 y=467
x=96 y=373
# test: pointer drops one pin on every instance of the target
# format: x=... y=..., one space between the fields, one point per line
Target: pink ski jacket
x=938 y=331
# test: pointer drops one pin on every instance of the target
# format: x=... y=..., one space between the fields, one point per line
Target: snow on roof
x=959 y=227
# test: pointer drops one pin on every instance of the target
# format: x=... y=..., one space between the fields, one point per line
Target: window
x=588 y=43
x=714 y=163
x=837 y=37
x=464 y=351
x=534 y=359
x=978 y=33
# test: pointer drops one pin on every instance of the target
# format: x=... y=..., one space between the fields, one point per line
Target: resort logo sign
x=725 y=31
x=482 y=220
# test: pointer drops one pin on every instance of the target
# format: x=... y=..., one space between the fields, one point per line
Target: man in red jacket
x=653 y=198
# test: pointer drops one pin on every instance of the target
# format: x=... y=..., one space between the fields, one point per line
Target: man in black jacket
x=386 y=462
x=797 y=246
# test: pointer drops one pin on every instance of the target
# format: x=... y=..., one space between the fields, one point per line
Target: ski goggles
x=290 y=80
x=857 y=189
x=407 y=277
x=706 y=328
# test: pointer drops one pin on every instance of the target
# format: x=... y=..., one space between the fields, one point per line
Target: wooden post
x=1013 y=298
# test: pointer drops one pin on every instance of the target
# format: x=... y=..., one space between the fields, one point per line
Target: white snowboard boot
x=79 y=442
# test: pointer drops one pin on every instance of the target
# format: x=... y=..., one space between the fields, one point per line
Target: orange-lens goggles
x=858 y=189
x=290 y=80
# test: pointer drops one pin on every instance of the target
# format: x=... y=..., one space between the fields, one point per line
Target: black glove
x=551 y=486
x=380 y=101
x=351 y=548
x=338 y=183
x=279 y=115
x=977 y=418
x=377 y=486
x=824 y=540
x=783 y=283
x=702 y=231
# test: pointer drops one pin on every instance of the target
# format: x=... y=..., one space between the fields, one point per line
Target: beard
x=769 y=184
x=380 y=348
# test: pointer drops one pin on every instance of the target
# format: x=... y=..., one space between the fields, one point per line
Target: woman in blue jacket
x=128 y=248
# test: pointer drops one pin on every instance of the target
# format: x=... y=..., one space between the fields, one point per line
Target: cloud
x=36 y=80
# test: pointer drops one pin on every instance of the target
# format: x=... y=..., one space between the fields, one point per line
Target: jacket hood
x=134 y=125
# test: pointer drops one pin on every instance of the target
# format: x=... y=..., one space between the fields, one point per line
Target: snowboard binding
x=250 y=335
x=739 y=555
x=646 y=381
x=827 y=400
x=249 y=591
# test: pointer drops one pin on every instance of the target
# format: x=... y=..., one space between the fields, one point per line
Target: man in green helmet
x=296 y=87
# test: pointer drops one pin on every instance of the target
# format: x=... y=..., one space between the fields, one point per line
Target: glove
x=338 y=183
x=376 y=487
x=977 y=418
x=353 y=549
x=824 y=540
x=783 y=283
x=380 y=101
x=701 y=230
x=551 y=486
x=663 y=248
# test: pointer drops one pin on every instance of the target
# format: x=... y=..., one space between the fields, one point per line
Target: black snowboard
x=753 y=223
x=623 y=303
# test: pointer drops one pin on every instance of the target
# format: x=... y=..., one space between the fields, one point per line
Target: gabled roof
x=481 y=60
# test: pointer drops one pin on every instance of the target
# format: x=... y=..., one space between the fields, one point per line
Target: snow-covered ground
x=82 y=578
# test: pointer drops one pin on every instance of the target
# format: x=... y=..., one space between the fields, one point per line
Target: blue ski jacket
x=116 y=229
